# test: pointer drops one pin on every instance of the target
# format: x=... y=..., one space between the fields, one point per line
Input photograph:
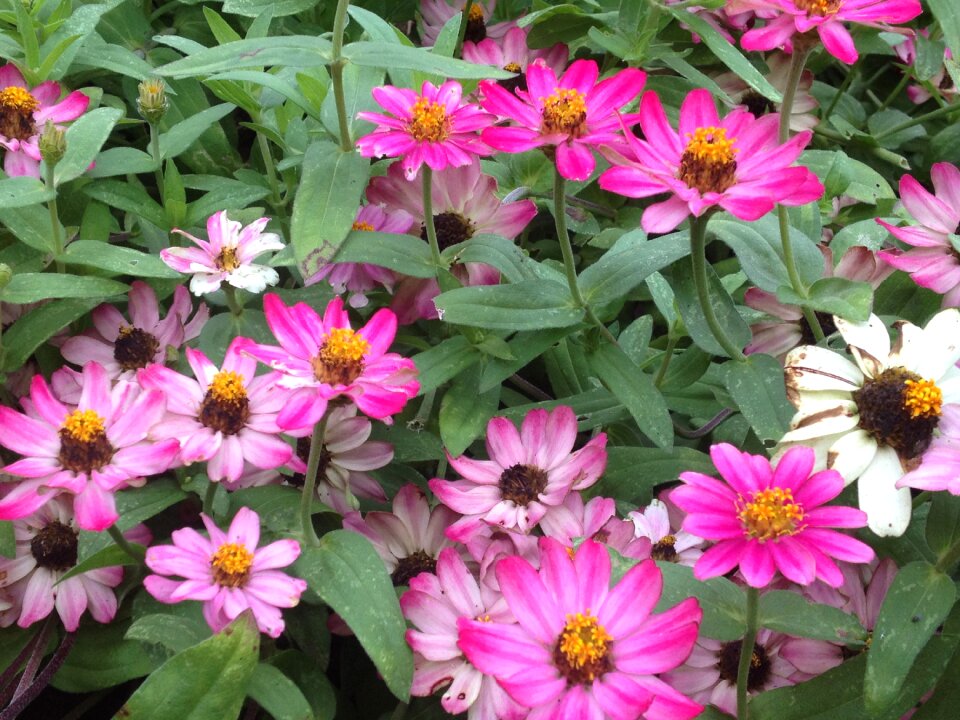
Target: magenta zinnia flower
x=572 y=113
x=933 y=263
x=528 y=472
x=323 y=358
x=227 y=572
x=89 y=450
x=226 y=416
x=24 y=112
x=435 y=127
x=766 y=519
x=580 y=648
x=226 y=256
x=735 y=163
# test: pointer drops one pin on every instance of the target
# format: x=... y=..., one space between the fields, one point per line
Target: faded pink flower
x=669 y=544
x=437 y=13
x=803 y=115
x=512 y=54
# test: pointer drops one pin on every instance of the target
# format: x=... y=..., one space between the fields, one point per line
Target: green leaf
x=524 y=347
x=689 y=306
x=842 y=175
x=17 y=192
x=273 y=82
x=465 y=411
x=288 y=50
x=943 y=524
x=628 y=263
x=129 y=198
x=791 y=613
x=117 y=259
x=280 y=8
x=85 y=136
x=185 y=133
x=30 y=331
x=173 y=632
x=222 y=328
x=722 y=602
x=635 y=389
x=205 y=681
x=102 y=658
x=358 y=81
x=8 y=542
x=622 y=480
x=756 y=386
x=30 y=225
x=945 y=11
x=31 y=287
x=326 y=202
x=834 y=295
x=406 y=254
x=917 y=602
x=388 y=55
x=501 y=253
x=110 y=556
x=278 y=694
x=120 y=161
x=347 y=573
x=277 y=505
x=444 y=361
x=527 y=305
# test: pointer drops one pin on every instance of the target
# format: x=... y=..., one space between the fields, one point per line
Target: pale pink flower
x=227 y=572
x=226 y=417
x=580 y=648
x=512 y=54
x=669 y=544
x=939 y=466
x=323 y=358
x=941 y=80
x=595 y=519
x=122 y=347
x=410 y=538
x=89 y=450
x=24 y=111
x=767 y=519
x=735 y=163
x=437 y=13
x=803 y=115
x=528 y=471
x=226 y=255
x=435 y=127
x=571 y=114
x=433 y=604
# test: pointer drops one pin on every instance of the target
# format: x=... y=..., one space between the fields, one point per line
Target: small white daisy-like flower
x=874 y=418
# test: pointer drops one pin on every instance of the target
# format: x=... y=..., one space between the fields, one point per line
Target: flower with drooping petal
x=410 y=538
x=513 y=54
x=872 y=420
x=225 y=417
x=827 y=17
x=669 y=544
x=226 y=255
x=571 y=114
x=227 y=572
x=765 y=519
x=932 y=261
x=435 y=127
x=323 y=358
x=437 y=13
x=122 y=347
x=432 y=605
x=803 y=115
x=465 y=204
x=735 y=163
x=940 y=82
x=527 y=472
x=24 y=112
x=580 y=648
x=89 y=450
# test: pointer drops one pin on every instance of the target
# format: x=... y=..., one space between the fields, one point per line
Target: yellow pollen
x=475 y=13
x=430 y=122
x=361 y=225
x=343 y=345
x=667 y=540
x=922 y=398
x=565 y=111
x=771 y=514
x=482 y=618
x=84 y=425
x=17 y=98
x=227 y=259
x=584 y=641
x=512 y=67
x=710 y=145
x=227 y=387
x=231 y=564
x=819 y=7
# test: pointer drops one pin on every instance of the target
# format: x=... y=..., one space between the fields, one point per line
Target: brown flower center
x=582 y=653
x=231 y=565
x=819 y=7
x=429 y=122
x=340 y=360
x=225 y=407
x=730 y=661
x=452 y=228
x=522 y=484
x=900 y=409
x=16 y=113
x=757 y=104
x=411 y=566
x=565 y=111
x=709 y=161
x=227 y=259
x=664 y=549
x=83 y=442
x=55 y=546
x=135 y=348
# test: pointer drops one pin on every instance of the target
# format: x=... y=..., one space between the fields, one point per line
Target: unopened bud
x=53 y=143
x=152 y=102
x=6 y=274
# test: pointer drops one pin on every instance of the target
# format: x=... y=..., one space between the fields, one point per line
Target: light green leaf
x=722 y=602
x=85 y=136
x=528 y=305
x=389 y=55
x=280 y=8
x=791 y=613
x=756 y=386
x=945 y=11
x=465 y=411
x=181 y=136
x=628 y=263
x=288 y=50
x=406 y=254
x=31 y=287
x=117 y=259
x=723 y=306
x=173 y=632
x=835 y=296
x=18 y=192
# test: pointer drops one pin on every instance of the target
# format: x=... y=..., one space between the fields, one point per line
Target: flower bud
x=53 y=143
x=152 y=102
x=6 y=275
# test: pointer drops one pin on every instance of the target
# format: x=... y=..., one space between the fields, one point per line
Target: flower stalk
x=310 y=483
x=336 y=74
x=698 y=259
x=124 y=545
x=428 y=224
x=746 y=653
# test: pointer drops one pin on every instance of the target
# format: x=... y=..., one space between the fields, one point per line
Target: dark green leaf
x=689 y=306
x=288 y=50
x=31 y=287
x=174 y=632
x=791 y=613
x=120 y=161
x=443 y=362
x=278 y=694
x=389 y=55
x=756 y=386
x=85 y=136
x=501 y=253
x=37 y=326
x=129 y=198
x=8 y=542
x=633 y=472
x=945 y=11
x=185 y=133
x=722 y=602
x=524 y=347
x=110 y=556
x=30 y=225
x=279 y=8
x=465 y=411
x=527 y=305
x=943 y=524
x=406 y=254
x=102 y=658
x=628 y=263
x=834 y=295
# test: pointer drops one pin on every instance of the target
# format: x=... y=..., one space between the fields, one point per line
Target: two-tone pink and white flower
x=668 y=544
x=512 y=53
x=437 y=13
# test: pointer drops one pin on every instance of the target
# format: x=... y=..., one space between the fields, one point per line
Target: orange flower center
x=361 y=225
x=582 y=652
x=512 y=67
x=475 y=14
x=770 y=514
x=227 y=259
x=340 y=360
x=922 y=398
x=225 y=407
x=709 y=161
x=819 y=7
x=231 y=565
x=430 y=122
x=565 y=111
x=83 y=442
x=17 y=106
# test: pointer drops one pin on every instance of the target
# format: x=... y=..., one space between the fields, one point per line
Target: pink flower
x=941 y=81
x=939 y=467
x=23 y=113
x=227 y=572
x=410 y=538
x=766 y=519
x=436 y=13
x=323 y=358
x=46 y=548
x=580 y=648
x=513 y=55
x=433 y=605
x=596 y=519
x=827 y=17
x=225 y=417
x=226 y=256
x=528 y=472
x=123 y=347
x=360 y=278
x=465 y=204
x=89 y=450
x=435 y=127
x=933 y=263
x=735 y=163
x=573 y=113
x=668 y=544
x=803 y=115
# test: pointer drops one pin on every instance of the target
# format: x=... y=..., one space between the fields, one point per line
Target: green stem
x=124 y=545
x=208 y=498
x=949 y=558
x=836 y=98
x=428 y=223
x=57 y=236
x=649 y=29
x=566 y=249
x=746 y=653
x=895 y=93
x=667 y=357
x=230 y=293
x=310 y=483
x=336 y=74
x=158 y=162
x=932 y=115
x=269 y=167
x=698 y=258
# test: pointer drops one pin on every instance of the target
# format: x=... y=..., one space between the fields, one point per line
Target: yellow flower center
x=17 y=98
x=227 y=387
x=582 y=652
x=475 y=14
x=361 y=225
x=340 y=361
x=83 y=442
x=430 y=122
x=709 y=161
x=512 y=67
x=482 y=618
x=83 y=425
x=231 y=565
x=819 y=7
x=16 y=113
x=227 y=259
x=770 y=514
x=565 y=111
x=664 y=549
x=225 y=407
x=922 y=398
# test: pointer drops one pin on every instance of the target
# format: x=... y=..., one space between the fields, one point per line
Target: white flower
x=668 y=544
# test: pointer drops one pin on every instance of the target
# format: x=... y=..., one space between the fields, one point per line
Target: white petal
x=869 y=343
x=814 y=421
x=810 y=369
x=852 y=454
x=939 y=346
x=888 y=509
